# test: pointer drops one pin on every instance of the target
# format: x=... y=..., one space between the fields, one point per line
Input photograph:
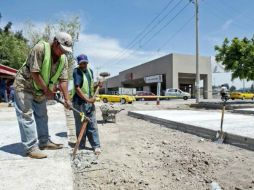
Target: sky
x=158 y=27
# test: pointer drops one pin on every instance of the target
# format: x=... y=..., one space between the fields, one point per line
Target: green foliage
x=226 y=85
x=238 y=57
x=232 y=89
x=13 y=47
x=252 y=88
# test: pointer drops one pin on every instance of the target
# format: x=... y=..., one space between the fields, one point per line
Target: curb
x=218 y=105
x=246 y=112
x=236 y=140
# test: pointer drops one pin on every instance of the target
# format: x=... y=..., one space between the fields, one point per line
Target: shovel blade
x=220 y=137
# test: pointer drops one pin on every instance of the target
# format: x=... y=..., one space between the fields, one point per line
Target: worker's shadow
x=61 y=134
x=16 y=148
x=104 y=122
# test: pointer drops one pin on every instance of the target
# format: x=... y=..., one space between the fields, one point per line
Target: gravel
x=137 y=154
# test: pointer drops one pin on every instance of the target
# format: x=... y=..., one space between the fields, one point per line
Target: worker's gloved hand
x=48 y=93
x=67 y=104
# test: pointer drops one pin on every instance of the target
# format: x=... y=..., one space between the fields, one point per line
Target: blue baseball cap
x=82 y=59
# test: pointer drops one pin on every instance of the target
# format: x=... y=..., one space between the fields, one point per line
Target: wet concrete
x=239 y=128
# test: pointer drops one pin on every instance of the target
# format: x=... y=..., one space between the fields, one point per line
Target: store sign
x=153 y=79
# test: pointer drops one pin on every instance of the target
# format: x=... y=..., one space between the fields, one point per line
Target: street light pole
x=197 y=54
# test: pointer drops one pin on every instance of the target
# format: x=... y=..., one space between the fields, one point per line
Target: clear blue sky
x=112 y=25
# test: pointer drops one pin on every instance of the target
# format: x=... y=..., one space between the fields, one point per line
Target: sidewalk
x=19 y=172
x=239 y=128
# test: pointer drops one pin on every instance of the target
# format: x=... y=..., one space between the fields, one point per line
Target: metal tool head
x=83 y=117
x=220 y=137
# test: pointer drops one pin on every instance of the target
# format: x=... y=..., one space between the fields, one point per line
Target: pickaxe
x=84 y=121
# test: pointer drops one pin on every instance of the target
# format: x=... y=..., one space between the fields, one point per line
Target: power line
x=150 y=24
x=170 y=21
x=161 y=20
x=175 y=34
x=151 y=29
x=213 y=11
x=164 y=26
x=229 y=5
x=143 y=32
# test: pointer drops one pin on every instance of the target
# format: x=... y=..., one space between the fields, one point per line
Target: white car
x=178 y=93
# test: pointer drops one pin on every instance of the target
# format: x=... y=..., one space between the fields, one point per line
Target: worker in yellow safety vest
x=45 y=67
x=83 y=101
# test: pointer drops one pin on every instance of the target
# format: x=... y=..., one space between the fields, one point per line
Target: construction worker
x=46 y=65
x=83 y=101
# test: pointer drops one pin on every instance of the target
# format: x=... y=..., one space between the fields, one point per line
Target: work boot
x=82 y=147
x=50 y=146
x=36 y=153
x=97 y=151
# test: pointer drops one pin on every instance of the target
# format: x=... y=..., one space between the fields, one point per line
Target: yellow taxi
x=241 y=95
x=123 y=99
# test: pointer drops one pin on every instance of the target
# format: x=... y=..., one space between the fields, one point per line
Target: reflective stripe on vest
x=46 y=69
x=85 y=86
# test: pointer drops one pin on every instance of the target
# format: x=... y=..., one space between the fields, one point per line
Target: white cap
x=65 y=41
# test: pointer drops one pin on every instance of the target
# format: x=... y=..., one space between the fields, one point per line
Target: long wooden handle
x=96 y=91
x=222 y=118
x=82 y=131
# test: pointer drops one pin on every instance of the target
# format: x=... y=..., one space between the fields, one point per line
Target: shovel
x=84 y=121
x=83 y=128
x=220 y=135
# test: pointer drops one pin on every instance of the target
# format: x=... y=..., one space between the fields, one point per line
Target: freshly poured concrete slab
x=244 y=111
x=20 y=172
x=239 y=127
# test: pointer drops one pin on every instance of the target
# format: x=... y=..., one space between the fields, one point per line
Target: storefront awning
x=4 y=70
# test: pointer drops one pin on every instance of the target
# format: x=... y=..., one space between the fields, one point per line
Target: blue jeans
x=32 y=116
x=91 y=129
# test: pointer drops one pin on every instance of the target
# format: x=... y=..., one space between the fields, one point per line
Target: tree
x=226 y=85
x=252 y=88
x=238 y=57
x=232 y=88
x=13 y=47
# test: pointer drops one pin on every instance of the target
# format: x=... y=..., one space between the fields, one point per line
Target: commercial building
x=177 y=70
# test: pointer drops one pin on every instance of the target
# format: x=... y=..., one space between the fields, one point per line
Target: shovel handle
x=80 y=136
x=74 y=109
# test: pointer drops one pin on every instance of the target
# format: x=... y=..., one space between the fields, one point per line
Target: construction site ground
x=137 y=154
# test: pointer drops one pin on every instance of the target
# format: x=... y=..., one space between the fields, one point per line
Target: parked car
x=144 y=96
x=241 y=95
x=117 y=98
x=177 y=93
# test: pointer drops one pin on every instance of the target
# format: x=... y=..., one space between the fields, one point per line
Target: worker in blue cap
x=83 y=91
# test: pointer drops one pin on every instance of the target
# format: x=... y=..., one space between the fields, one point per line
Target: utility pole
x=197 y=54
